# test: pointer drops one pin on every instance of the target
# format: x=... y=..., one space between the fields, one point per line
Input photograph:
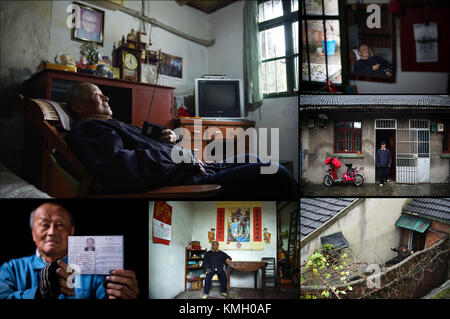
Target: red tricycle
x=352 y=175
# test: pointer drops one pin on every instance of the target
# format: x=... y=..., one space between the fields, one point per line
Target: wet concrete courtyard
x=388 y=189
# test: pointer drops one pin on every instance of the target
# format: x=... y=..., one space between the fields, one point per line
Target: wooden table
x=248 y=266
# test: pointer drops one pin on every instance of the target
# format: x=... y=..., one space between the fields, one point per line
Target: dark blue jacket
x=124 y=160
x=364 y=67
x=215 y=259
x=19 y=279
x=383 y=158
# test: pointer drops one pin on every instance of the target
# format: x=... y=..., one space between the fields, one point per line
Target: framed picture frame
x=171 y=65
x=89 y=24
x=371 y=52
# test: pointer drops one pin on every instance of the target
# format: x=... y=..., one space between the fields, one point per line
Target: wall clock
x=129 y=63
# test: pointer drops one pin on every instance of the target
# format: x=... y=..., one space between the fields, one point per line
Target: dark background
x=94 y=217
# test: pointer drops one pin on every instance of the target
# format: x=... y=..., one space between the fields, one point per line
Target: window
x=446 y=138
x=278 y=39
x=321 y=44
x=347 y=138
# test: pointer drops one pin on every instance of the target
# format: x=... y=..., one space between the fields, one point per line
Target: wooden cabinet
x=193 y=271
x=204 y=132
x=128 y=100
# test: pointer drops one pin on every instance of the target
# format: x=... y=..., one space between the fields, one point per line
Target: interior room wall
x=184 y=18
x=412 y=82
x=227 y=57
x=205 y=214
x=166 y=263
x=24 y=38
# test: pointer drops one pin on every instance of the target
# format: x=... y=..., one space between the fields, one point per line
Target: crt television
x=219 y=98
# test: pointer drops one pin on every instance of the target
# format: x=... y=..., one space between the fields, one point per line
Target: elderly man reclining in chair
x=124 y=160
x=371 y=65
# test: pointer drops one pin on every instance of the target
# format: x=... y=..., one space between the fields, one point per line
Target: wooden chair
x=46 y=119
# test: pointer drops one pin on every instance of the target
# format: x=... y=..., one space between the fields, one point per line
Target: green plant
x=322 y=265
x=89 y=50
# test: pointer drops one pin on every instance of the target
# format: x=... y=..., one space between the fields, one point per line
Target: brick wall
x=435 y=233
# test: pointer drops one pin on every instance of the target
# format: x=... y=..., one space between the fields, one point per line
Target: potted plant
x=89 y=50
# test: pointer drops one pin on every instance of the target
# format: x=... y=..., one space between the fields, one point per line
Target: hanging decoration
x=239 y=225
x=162 y=223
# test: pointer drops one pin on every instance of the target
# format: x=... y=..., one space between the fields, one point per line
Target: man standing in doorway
x=383 y=162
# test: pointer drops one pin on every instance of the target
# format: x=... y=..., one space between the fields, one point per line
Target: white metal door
x=423 y=160
x=413 y=153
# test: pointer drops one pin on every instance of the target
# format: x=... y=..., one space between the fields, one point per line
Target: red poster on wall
x=433 y=14
x=162 y=223
x=220 y=231
x=257 y=232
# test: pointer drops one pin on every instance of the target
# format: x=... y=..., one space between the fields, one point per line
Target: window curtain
x=252 y=57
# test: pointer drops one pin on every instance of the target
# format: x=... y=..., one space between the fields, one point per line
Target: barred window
x=347 y=138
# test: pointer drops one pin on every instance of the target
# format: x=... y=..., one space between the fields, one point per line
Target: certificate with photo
x=90 y=255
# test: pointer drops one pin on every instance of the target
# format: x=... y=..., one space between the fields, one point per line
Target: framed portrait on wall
x=171 y=65
x=89 y=24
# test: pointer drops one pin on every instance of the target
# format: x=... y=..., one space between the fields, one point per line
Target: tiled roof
x=314 y=212
x=433 y=208
x=412 y=101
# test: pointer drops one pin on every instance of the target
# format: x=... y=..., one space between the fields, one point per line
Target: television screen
x=219 y=98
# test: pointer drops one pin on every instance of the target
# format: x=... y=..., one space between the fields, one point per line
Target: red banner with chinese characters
x=220 y=231
x=162 y=223
x=257 y=231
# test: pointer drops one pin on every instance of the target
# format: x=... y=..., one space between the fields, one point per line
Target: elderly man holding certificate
x=46 y=274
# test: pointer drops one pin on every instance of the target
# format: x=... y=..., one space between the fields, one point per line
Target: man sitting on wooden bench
x=124 y=160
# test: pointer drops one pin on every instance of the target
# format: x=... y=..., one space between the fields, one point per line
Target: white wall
x=24 y=37
x=205 y=214
x=166 y=263
x=369 y=228
x=227 y=57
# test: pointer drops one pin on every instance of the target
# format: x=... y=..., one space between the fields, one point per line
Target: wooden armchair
x=45 y=118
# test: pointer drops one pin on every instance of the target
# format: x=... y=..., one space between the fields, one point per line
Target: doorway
x=387 y=136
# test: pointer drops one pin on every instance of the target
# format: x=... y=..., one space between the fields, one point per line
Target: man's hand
x=376 y=67
x=122 y=284
x=202 y=169
x=63 y=276
x=388 y=73
x=168 y=136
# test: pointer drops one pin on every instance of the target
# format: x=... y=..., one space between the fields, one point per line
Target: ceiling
x=206 y=6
